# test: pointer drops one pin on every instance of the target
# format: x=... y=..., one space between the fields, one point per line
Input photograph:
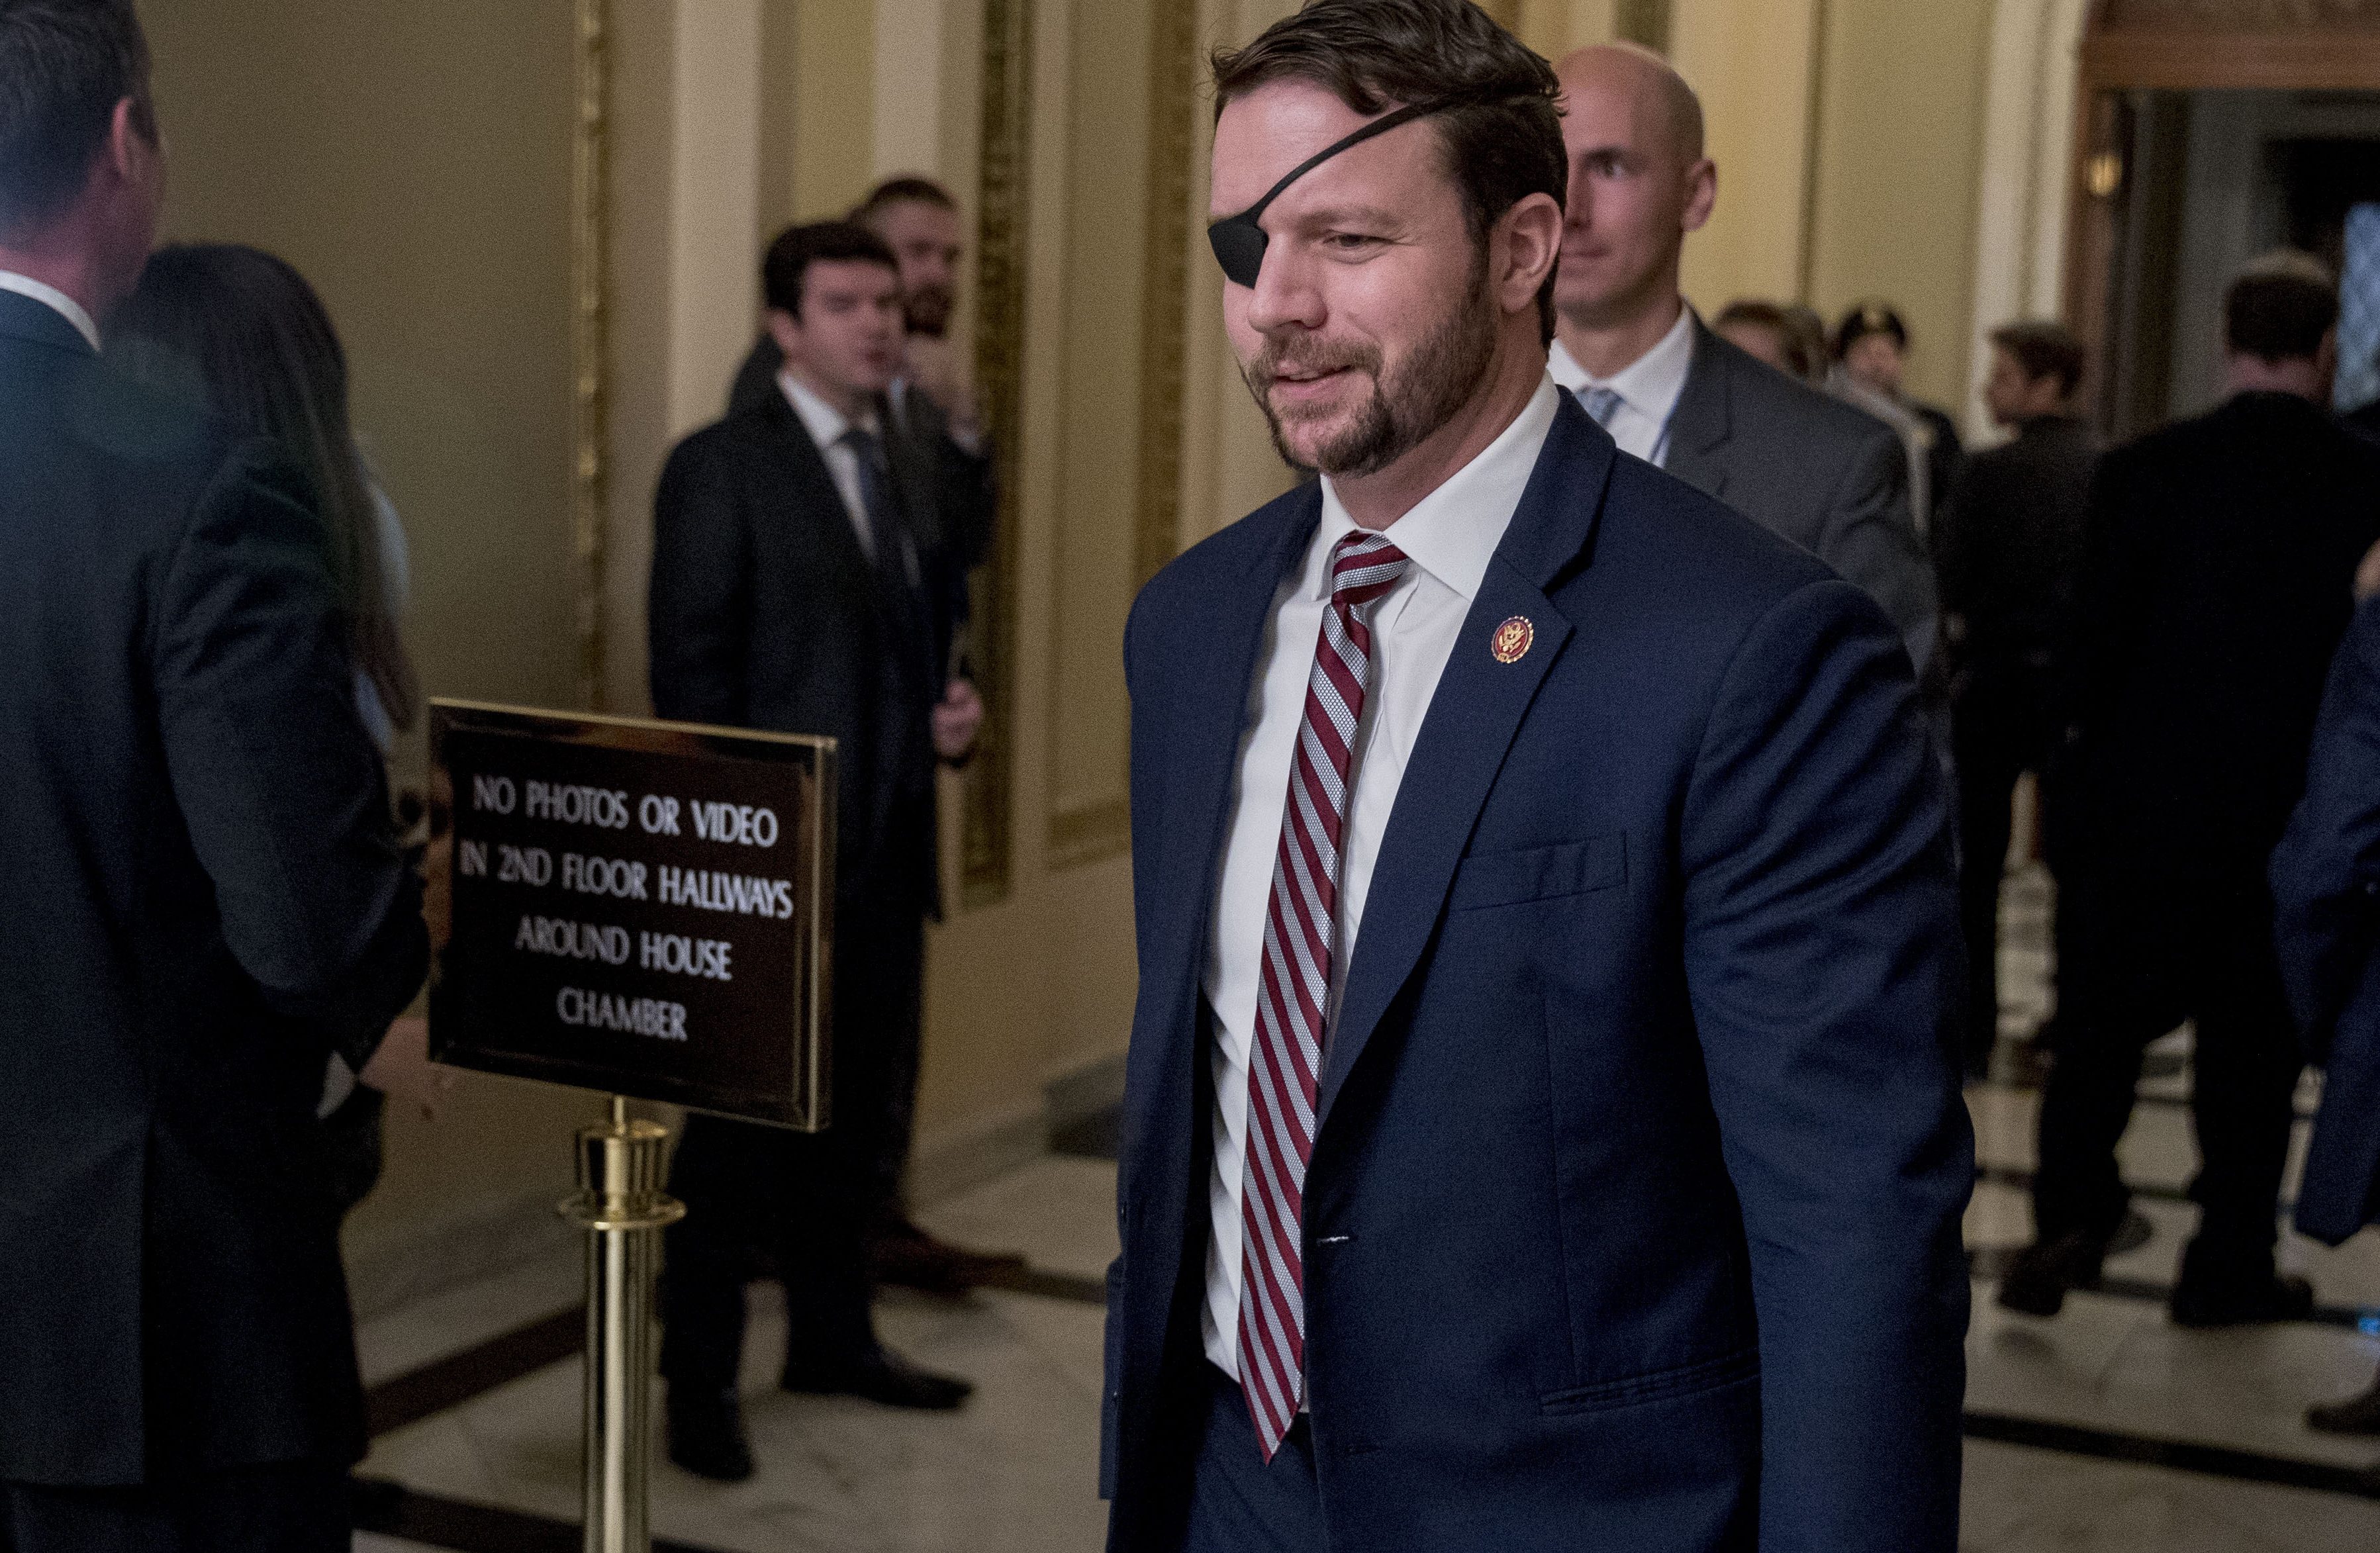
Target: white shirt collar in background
x=1648 y=387
x=51 y=296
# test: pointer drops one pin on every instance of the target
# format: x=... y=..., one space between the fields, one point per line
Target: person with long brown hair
x=240 y=333
x=238 y=337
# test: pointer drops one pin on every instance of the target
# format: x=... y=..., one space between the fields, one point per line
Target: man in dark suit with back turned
x=204 y=902
x=2218 y=563
x=1798 y=462
x=1541 y=1128
x=794 y=590
x=2007 y=547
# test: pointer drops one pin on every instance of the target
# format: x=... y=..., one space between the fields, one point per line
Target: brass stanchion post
x=621 y=1206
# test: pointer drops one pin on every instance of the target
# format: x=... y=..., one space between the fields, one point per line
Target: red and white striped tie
x=1285 y=1058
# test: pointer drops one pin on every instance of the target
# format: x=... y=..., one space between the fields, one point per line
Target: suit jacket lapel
x=1701 y=423
x=1473 y=717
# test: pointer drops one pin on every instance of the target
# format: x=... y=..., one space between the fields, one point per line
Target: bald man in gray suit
x=1802 y=464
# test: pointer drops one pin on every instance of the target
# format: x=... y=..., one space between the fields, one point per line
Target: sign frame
x=803 y=1103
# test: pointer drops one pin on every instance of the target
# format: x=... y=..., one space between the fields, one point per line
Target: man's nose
x=1284 y=295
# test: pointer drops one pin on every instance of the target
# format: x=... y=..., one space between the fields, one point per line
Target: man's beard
x=927 y=311
x=1433 y=383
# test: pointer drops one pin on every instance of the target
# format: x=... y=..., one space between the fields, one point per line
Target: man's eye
x=1350 y=242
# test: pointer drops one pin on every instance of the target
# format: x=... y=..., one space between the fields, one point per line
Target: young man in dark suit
x=204 y=902
x=1798 y=462
x=1541 y=1127
x=2219 y=556
x=799 y=585
x=932 y=412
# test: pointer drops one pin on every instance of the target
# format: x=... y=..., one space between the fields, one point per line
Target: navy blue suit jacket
x=1633 y=1216
x=2325 y=879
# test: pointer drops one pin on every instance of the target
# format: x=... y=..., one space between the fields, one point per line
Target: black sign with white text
x=637 y=907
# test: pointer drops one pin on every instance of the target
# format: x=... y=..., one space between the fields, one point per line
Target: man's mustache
x=1310 y=360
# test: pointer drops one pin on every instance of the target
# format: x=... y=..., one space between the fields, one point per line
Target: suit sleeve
x=279 y=785
x=1870 y=538
x=2326 y=873
x=1824 y=963
x=699 y=601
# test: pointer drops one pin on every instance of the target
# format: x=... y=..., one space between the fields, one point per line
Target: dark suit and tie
x=777 y=605
x=204 y=901
x=1631 y=1218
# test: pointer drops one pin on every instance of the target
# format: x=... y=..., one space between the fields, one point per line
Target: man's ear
x=784 y=331
x=1702 y=194
x=130 y=155
x=1531 y=233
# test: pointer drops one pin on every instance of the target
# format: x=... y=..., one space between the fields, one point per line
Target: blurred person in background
x=1669 y=390
x=932 y=410
x=208 y=902
x=2218 y=558
x=1762 y=329
x=2325 y=883
x=240 y=337
x=1871 y=345
x=2006 y=551
x=794 y=589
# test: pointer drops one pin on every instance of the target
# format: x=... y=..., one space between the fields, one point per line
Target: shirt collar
x=1650 y=384
x=65 y=306
x=1452 y=532
x=825 y=424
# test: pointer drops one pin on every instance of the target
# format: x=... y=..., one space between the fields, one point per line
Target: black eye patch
x=1239 y=243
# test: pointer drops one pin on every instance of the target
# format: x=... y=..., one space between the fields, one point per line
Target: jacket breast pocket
x=1539 y=873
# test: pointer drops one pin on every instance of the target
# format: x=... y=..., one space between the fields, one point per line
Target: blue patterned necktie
x=1602 y=403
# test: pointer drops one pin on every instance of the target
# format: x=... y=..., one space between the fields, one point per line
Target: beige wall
x=1750 y=64
x=1899 y=150
x=414 y=163
x=1849 y=138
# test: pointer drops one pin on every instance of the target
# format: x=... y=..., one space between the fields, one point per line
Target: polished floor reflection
x=2106 y=1429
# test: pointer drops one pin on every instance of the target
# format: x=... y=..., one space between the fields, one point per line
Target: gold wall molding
x=589 y=231
x=1165 y=281
x=1088 y=833
x=1003 y=203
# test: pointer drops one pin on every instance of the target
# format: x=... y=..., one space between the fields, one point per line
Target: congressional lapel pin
x=1511 y=641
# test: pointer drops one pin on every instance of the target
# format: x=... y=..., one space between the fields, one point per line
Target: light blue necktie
x=1602 y=403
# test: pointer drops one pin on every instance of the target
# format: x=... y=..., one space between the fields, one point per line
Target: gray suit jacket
x=1811 y=469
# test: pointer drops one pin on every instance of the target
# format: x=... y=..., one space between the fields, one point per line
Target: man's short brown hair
x=1504 y=136
x=2043 y=349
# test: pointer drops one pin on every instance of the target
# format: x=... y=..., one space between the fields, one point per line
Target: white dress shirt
x=1649 y=389
x=1449 y=536
x=51 y=296
x=827 y=427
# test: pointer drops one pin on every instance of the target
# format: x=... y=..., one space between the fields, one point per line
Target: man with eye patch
x=1542 y=1125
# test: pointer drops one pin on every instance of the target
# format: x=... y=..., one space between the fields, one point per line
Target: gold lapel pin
x=1512 y=639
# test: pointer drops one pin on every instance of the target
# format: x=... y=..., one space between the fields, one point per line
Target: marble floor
x=2106 y=1429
